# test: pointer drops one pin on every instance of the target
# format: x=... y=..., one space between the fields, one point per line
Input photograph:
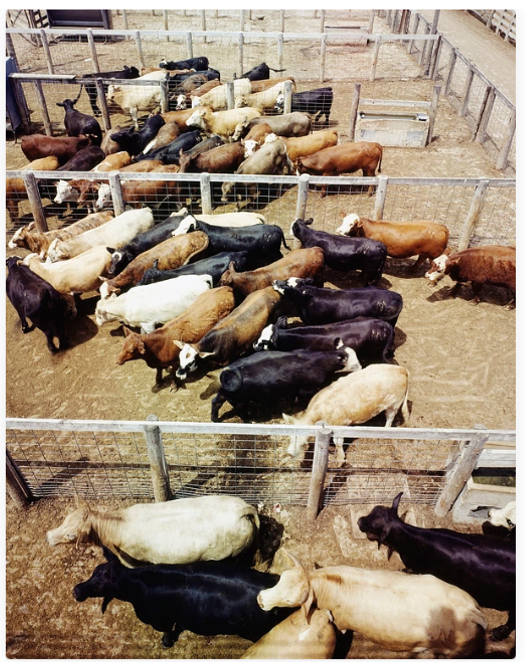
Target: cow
x=215 y=266
x=316 y=102
x=267 y=376
x=260 y=72
x=264 y=100
x=256 y=137
x=224 y=158
x=35 y=299
x=91 y=87
x=233 y=335
x=170 y=154
x=302 y=263
x=262 y=85
x=196 y=63
x=190 y=84
x=306 y=145
x=322 y=305
x=396 y=611
x=481 y=265
x=185 y=100
x=370 y=338
x=353 y=400
x=177 y=531
x=481 y=565
x=179 y=117
x=217 y=98
x=206 y=598
x=134 y=142
x=15 y=187
x=289 y=124
x=151 y=305
x=169 y=254
x=83 y=160
x=344 y=253
x=425 y=239
x=132 y=98
x=158 y=349
x=506 y=517
x=166 y=134
x=38 y=146
x=77 y=123
x=221 y=123
x=346 y=157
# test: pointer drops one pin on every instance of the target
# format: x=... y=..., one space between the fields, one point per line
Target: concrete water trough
x=393 y=129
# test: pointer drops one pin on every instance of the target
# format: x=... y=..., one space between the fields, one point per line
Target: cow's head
x=102 y=315
x=349 y=360
x=180 y=102
x=188 y=224
x=294 y=283
x=349 y=223
x=107 y=289
x=102 y=583
x=103 y=196
x=280 y=102
x=197 y=118
x=19 y=236
x=438 y=270
x=67 y=104
x=76 y=526
x=377 y=524
x=240 y=101
x=266 y=339
x=189 y=358
x=250 y=147
x=119 y=259
x=132 y=348
x=66 y=193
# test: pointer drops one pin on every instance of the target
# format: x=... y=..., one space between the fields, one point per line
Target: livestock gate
x=158 y=459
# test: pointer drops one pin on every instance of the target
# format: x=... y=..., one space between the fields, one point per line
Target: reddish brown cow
x=225 y=158
x=426 y=239
x=298 y=146
x=300 y=263
x=262 y=85
x=180 y=117
x=38 y=146
x=344 y=158
x=158 y=348
x=481 y=265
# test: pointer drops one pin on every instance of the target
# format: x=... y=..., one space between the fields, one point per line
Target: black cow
x=260 y=72
x=170 y=153
x=91 y=88
x=481 y=565
x=370 y=338
x=197 y=63
x=35 y=299
x=207 y=598
x=78 y=123
x=344 y=253
x=323 y=305
x=316 y=102
x=134 y=142
x=214 y=266
x=267 y=376
x=84 y=160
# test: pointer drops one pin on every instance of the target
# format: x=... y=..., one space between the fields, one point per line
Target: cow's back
x=495 y=265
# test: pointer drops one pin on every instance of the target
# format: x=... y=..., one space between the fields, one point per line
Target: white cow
x=217 y=97
x=506 y=516
x=132 y=98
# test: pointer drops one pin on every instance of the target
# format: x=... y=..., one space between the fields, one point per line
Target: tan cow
x=15 y=187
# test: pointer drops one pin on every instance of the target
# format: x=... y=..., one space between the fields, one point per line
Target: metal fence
x=98 y=459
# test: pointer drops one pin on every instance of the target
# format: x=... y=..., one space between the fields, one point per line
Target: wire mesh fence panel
x=497 y=222
x=338 y=199
x=498 y=128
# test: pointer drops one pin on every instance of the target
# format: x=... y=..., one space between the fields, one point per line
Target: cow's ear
x=306 y=606
x=109 y=555
x=232 y=267
x=282 y=322
x=127 y=332
x=110 y=250
x=179 y=343
x=308 y=281
x=447 y=251
x=396 y=501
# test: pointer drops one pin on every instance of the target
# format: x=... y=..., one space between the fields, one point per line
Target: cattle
x=115 y=233
x=260 y=72
x=38 y=242
x=224 y=158
x=217 y=98
x=201 y=147
x=179 y=117
x=264 y=100
x=205 y=598
x=77 y=123
x=371 y=338
x=196 y=63
x=480 y=265
x=221 y=123
x=306 y=145
x=158 y=349
x=215 y=266
x=425 y=239
x=266 y=376
x=394 y=610
x=295 y=639
x=481 y=565
x=185 y=100
x=38 y=146
x=166 y=134
x=134 y=142
x=91 y=87
x=190 y=84
x=169 y=254
x=83 y=160
x=302 y=263
x=15 y=187
x=177 y=531
x=346 y=157
x=322 y=305
x=353 y=400
x=316 y=102
x=169 y=154
x=260 y=241
x=344 y=253
x=269 y=159
x=233 y=335
x=289 y=124
x=256 y=137
x=132 y=98
x=151 y=305
x=108 y=145
x=505 y=517
x=262 y=85
x=35 y=299
x=239 y=219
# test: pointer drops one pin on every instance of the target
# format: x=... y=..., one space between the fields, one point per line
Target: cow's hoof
x=168 y=640
x=500 y=633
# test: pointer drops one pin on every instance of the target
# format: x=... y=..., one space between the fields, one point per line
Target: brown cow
x=15 y=187
x=224 y=158
x=38 y=146
x=170 y=254
x=482 y=265
x=310 y=144
x=426 y=239
x=165 y=135
x=344 y=158
x=301 y=263
x=158 y=348
x=262 y=85
x=180 y=117
x=108 y=145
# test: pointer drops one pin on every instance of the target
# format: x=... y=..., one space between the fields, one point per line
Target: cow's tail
x=271 y=69
x=80 y=92
x=405 y=408
x=231 y=379
x=380 y=161
x=284 y=242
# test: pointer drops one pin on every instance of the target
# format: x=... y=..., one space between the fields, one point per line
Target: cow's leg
x=217 y=403
x=421 y=259
x=390 y=414
x=169 y=638
x=26 y=328
x=134 y=115
x=453 y=289
x=511 y=304
x=476 y=291
x=50 y=343
x=504 y=631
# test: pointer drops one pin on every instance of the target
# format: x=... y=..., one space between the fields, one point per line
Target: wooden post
x=451 y=69
x=47 y=52
x=43 y=107
x=206 y=193
x=242 y=20
x=477 y=203
x=303 y=194
x=103 y=104
x=203 y=24
x=287 y=91
x=280 y=50
x=433 y=113
x=10 y=47
x=371 y=21
x=158 y=466
x=490 y=18
x=434 y=57
x=375 y=57
x=21 y=103
x=164 y=96
x=139 y=47
x=462 y=472
x=116 y=193
x=322 y=20
x=33 y=195
x=319 y=470
x=379 y=201
x=230 y=101
x=93 y=50
x=467 y=89
x=125 y=17
x=481 y=133
x=323 y=51
x=240 y=54
x=425 y=45
x=281 y=22
x=354 y=111
x=165 y=23
x=505 y=150
x=189 y=44
x=17 y=487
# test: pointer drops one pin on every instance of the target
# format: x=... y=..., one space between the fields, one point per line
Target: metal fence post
x=477 y=203
x=35 y=201
x=303 y=194
x=485 y=114
x=379 y=202
x=240 y=54
x=462 y=472
x=280 y=50
x=158 y=466
x=230 y=100
x=319 y=469
x=467 y=90
x=17 y=487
